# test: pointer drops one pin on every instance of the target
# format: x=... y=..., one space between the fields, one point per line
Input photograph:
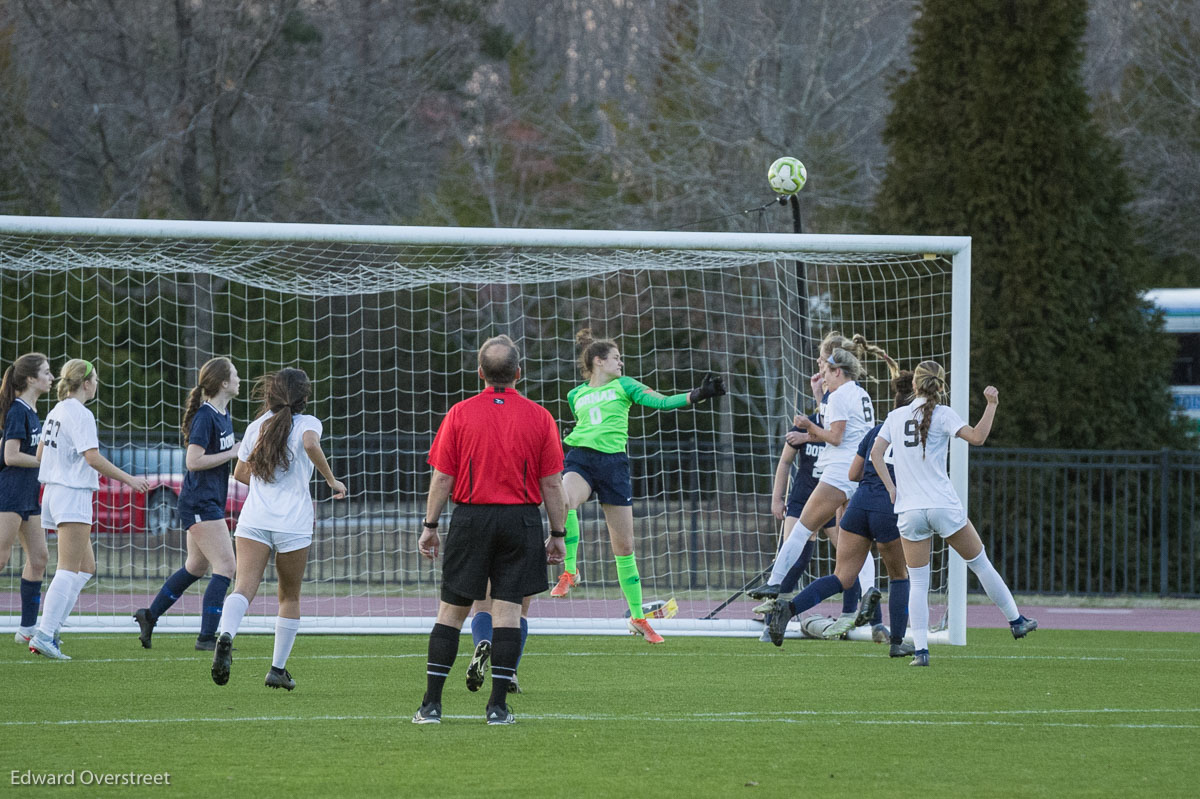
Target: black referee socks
x=506 y=649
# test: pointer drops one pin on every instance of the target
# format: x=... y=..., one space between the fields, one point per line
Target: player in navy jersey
x=786 y=504
x=207 y=429
x=868 y=517
x=24 y=382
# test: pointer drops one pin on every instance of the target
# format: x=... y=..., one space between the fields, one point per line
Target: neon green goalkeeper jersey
x=602 y=412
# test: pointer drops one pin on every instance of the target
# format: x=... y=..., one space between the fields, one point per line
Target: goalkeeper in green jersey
x=597 y=462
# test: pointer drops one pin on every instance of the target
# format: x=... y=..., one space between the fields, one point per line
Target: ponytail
x=192 y=405
x=8 y=392
x=285 y=394
x=862 y=348
x=213 y=375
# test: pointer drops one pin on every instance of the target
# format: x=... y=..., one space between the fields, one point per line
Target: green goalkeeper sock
x=631 y=584
x=572 y=542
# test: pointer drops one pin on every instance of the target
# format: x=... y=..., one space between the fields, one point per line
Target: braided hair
x=929 y=382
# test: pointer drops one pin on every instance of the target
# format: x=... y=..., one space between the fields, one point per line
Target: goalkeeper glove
x=711 y=386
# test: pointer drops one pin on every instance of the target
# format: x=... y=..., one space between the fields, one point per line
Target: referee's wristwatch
x=430 y=525
x=558 y=533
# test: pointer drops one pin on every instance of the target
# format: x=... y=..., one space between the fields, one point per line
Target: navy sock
x=214 y=600
x=171 y=590
x=31 y=600
x=877 y=616
x=524 y=635
x=792 y=579
x=481 y=628
x=816 y=593
x=898 y=609
x=506 y=649
x=850 y=598
x=443 y=649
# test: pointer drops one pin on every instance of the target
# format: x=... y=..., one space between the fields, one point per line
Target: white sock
x=789 y=553
x=918 y=605
x=81 y=579
x=232 y=613
x=994 y=585
x=285 y=636
x=57 y=603
x=866 y=575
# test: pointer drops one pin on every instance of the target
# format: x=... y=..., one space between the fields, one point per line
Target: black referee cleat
x=145 y=625
x=206 y=643
x=280 y=678
x=478 y=670
x=498 y=715
x=429 y=713
x=222 y=659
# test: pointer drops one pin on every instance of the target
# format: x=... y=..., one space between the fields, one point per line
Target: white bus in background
x=1181 y=312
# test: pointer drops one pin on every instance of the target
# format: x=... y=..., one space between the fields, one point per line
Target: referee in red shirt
x=497 y=455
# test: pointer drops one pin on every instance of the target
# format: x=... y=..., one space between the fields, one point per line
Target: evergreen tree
x=991 y=136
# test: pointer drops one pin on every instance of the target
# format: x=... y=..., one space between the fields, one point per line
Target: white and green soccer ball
x=787 y=175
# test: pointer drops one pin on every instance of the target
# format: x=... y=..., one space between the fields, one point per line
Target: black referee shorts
x=501 y=543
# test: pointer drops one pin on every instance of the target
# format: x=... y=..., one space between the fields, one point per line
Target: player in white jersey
x=848 y=415
x=276 y=459
x=925 y=500
x=69 y=454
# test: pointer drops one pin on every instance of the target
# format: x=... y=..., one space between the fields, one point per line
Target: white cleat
x=23 y=635
x=41 y=645
x=843 y=625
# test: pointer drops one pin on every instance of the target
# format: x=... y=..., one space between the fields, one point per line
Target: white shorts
x=841 y=483
x=65 y=505
x=280 y=542
x=917 y=525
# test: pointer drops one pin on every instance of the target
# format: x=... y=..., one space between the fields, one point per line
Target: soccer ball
x=787 y=175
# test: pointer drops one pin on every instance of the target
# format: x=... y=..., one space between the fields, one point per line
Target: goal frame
x=956 y=248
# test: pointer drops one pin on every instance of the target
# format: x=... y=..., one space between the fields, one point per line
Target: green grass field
x=1059 y=714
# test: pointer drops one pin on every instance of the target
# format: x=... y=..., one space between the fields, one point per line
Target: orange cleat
x=565 y=583
x=642 y=627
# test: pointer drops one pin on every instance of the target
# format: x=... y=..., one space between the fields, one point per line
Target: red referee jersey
x=497 y=445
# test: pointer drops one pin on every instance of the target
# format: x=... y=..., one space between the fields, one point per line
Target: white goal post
x=386 y=321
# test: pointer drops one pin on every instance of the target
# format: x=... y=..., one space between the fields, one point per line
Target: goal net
x=387 y=321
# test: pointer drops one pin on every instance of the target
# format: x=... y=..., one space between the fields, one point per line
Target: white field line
x=872 y=717
x=658 y=653
x=951 y=651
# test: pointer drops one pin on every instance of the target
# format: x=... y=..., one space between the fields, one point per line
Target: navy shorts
x=879 y=525
x=19 y=489
x=503 y=544
x=202 y=512
x=24 y=514
x=606 y=472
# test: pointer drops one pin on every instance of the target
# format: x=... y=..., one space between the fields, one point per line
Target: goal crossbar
x=316 y=262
